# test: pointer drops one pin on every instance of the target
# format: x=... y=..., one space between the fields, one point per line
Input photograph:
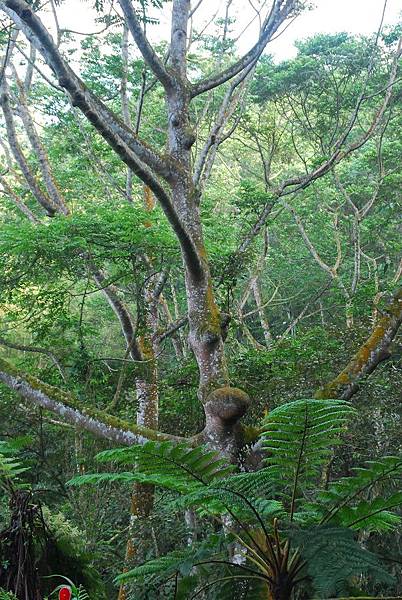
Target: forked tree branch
x=294 y=184
x=43 y=199
x=280 y=11
x=37 y=147
x=141 y=159
x=36 y=350
x=10 y=193
x=107 y=123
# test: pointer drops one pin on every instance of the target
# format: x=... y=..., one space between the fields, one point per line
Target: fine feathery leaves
x=10 y=466
x=298 y=438
x=360 y=502
x=333 y=556
x=172 y=466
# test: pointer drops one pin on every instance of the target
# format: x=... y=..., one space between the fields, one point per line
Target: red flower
x=65 y=593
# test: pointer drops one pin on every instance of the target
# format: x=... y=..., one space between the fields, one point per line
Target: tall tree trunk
x=223 y=405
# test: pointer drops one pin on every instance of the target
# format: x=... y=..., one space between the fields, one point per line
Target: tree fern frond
x=347 y=492
x=173 y=466
x=170 y=482
x=333 y=556
x=372 y=515
x=218 y=501
x=81 y=594
x=177 y=561
x=251 y=485
x=163 y=566
x=298 y=438
x=10 y=466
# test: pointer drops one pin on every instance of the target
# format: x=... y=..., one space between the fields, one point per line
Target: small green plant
x=77 y=593
x=10 y=466
x=287 y=528
x=7 y=595
x=35 y=541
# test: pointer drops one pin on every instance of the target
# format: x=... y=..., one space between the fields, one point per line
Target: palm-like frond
x=10 y=466
x=163 y=566
x=332 y=556
x=372 y=515
x=178 y=561
x=215 y=577
x=245 y=494
x=298 y=438
x=348 y=501
x=173 y=466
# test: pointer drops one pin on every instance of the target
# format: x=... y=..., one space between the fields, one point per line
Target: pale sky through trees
x=328 y=16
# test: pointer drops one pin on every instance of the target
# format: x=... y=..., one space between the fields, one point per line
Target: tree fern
x=289 y=530
x=245 y=494
x=216 y=577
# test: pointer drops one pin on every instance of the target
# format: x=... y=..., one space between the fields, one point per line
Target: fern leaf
x=372 y=515
x=177 y=561
x=10 y=466
x=298 y=438
x=348 y=491
x=333 y=556
x=172 y=466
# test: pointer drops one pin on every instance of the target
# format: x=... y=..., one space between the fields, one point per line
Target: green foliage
x=175 y=467
x=290 y=124
x=10 y=465
x=298 y=438
x=6 y=595
x=77 y=592
x=333 y=557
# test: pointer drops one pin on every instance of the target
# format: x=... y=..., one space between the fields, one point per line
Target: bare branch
x=108 y=124
x=120 y=309
x=280 y=11
x=37 y=350
x=30 y=68
x=138 y=156
x=39 y=195
x=294 y=184
x=173 y=327
x=125 y=102
x=38 y=148
x=9 y=192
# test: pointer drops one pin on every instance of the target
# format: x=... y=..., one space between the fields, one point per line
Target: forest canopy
x=200 y=305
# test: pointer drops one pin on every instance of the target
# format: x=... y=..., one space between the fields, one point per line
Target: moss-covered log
x=374 y=350
x=73 y=411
